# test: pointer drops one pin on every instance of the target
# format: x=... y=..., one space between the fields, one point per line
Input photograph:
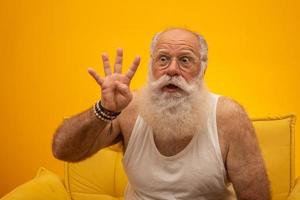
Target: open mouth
x=171 y=88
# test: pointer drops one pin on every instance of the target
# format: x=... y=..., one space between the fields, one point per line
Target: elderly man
x=180 y=140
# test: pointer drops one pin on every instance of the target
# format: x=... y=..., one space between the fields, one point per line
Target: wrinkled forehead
x=177 y=41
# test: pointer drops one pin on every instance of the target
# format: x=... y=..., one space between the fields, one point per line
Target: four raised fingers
x=117 y=66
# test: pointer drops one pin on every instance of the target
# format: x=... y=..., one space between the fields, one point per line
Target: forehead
x=177 y=40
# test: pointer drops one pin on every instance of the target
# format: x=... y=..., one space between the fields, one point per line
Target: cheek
x=157 y=73
x=190 y=76
x=195 y=73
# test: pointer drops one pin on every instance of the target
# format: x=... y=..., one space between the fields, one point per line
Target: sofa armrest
x=295 y=194
x=46 y=185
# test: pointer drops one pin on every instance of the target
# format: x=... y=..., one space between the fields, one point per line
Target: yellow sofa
x=102 y=177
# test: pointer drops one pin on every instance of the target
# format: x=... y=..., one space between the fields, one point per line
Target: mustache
x=178 y=81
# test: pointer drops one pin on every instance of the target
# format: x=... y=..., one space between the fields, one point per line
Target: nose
x=173 y=69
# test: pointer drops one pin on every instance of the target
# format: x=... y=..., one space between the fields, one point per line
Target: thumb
x=123 y=89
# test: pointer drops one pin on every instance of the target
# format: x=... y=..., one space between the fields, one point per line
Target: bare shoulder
x=233 y=124
x=228 y=108
x=232 y=118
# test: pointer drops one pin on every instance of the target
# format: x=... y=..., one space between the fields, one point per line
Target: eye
x=185 y=61
x=163 y=60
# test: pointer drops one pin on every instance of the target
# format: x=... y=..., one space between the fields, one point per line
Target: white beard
x=175 y=115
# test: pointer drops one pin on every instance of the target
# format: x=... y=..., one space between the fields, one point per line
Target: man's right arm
x=84 y=134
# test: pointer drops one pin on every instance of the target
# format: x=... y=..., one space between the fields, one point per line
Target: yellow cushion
x=46 y=185
x=102 y=176
x=99 y=177
x=276 y=138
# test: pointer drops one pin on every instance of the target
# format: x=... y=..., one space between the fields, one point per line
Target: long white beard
x=175 y=115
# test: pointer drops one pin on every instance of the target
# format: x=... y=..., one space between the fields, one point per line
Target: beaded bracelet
x=103 y=113
x=106 y=111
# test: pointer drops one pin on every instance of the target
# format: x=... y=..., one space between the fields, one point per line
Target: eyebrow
x=167 y=52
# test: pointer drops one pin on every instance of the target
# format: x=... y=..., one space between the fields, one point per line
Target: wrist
x=104 y=114
x=103 y=103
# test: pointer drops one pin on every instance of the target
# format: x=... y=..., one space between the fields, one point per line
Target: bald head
x=182 y=36
x=179 y=36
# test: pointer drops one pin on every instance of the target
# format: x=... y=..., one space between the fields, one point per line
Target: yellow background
x=46 y=47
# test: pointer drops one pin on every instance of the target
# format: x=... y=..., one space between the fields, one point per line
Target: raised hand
x=115 y=87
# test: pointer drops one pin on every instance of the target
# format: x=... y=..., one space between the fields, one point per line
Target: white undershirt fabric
x=196 y=172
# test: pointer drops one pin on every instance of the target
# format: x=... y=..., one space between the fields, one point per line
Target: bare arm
x=75 y=139
x=84 y=134
x=244 y=162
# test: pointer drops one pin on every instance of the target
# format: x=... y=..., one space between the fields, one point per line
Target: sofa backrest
x=276 y=137
x=102 y=175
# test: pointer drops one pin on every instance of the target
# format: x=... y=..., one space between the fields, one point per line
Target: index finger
x=133 y=67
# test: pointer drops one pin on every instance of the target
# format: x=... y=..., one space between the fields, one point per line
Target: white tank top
x=196 y=172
